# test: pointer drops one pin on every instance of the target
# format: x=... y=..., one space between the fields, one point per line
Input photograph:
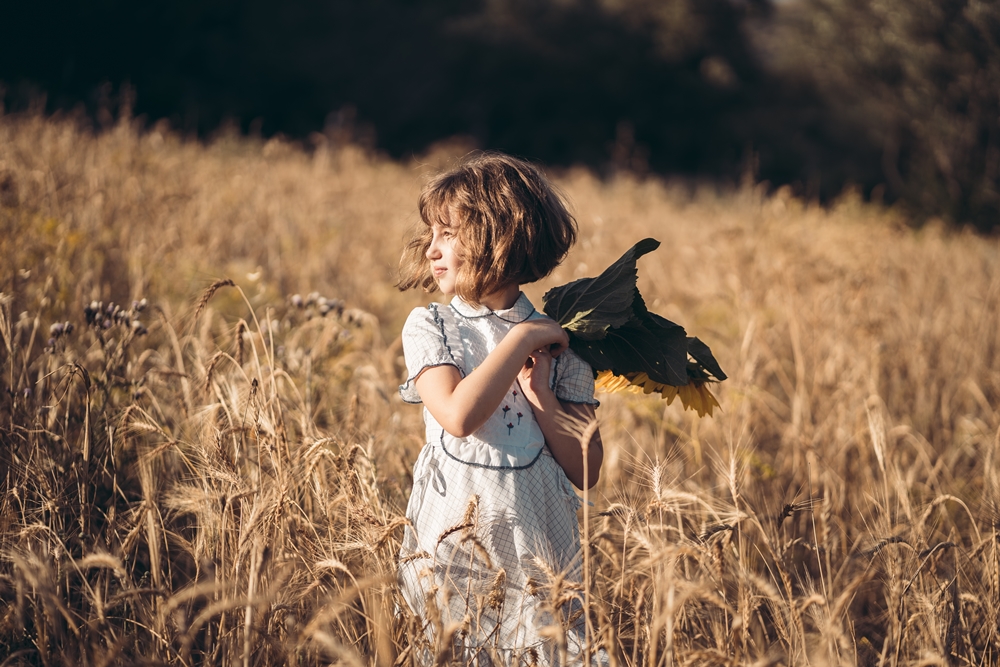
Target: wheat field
x=205 y=460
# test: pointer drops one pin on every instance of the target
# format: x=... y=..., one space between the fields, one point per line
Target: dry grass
x=217 y=476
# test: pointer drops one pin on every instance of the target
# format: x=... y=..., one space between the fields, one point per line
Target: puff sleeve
x=573 y=379
x=425 y=345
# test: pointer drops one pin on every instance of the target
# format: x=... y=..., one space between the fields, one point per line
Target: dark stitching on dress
x=440 y=322
x=555 y=381
x=433 y=309
x=406 y=385
x=489 y=467
x=493 y=313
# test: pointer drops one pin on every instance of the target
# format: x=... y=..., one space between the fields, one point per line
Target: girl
x=491 y=560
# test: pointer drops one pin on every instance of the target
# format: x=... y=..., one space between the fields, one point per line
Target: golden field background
x=223 y=482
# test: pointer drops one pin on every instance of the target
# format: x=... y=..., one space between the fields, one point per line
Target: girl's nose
x=433 y=252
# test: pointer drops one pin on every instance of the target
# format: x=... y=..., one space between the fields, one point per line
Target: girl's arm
x=563 y=424
x=462 y=405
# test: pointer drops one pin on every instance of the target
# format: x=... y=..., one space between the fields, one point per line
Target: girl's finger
x=539 y=355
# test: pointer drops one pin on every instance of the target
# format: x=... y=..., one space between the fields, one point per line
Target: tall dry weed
x=205 y=461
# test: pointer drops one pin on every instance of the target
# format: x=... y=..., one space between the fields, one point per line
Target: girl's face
x=445 y=257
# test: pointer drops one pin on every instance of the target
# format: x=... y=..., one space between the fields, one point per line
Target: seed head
x=471 y=509
x=498 y=592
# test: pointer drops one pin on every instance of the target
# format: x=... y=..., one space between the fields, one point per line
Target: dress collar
x=519 y=312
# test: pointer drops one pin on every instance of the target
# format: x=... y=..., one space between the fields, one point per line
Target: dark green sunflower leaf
x=703 y=355
x=660 y=325
x=633 y=348
x=611 y=329
x=590 y=307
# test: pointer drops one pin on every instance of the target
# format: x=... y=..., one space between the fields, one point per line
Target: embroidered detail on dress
x=506 y=409
x=519 y=415
x=510 y=427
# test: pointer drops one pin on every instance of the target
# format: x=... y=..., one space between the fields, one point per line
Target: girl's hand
x=534 y=377
x=564 y=425
x=543 y=333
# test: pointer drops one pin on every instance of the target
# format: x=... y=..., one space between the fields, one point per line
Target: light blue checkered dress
x=496 y=500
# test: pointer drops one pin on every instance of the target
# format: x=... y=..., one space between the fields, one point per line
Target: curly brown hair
x=511 y=224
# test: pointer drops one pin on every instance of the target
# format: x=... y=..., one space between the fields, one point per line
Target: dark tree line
x=918 y=82
x=898 y=98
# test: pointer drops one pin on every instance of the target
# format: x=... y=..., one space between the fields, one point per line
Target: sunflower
x=695 y=395
x=629 y=347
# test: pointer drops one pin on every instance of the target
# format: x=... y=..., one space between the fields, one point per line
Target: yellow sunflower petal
x=708 y=399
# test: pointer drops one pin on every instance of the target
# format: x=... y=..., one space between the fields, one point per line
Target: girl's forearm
x=462 y=405
x=564 y=425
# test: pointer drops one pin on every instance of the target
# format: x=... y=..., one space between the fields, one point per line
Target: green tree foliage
x=919 y=80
